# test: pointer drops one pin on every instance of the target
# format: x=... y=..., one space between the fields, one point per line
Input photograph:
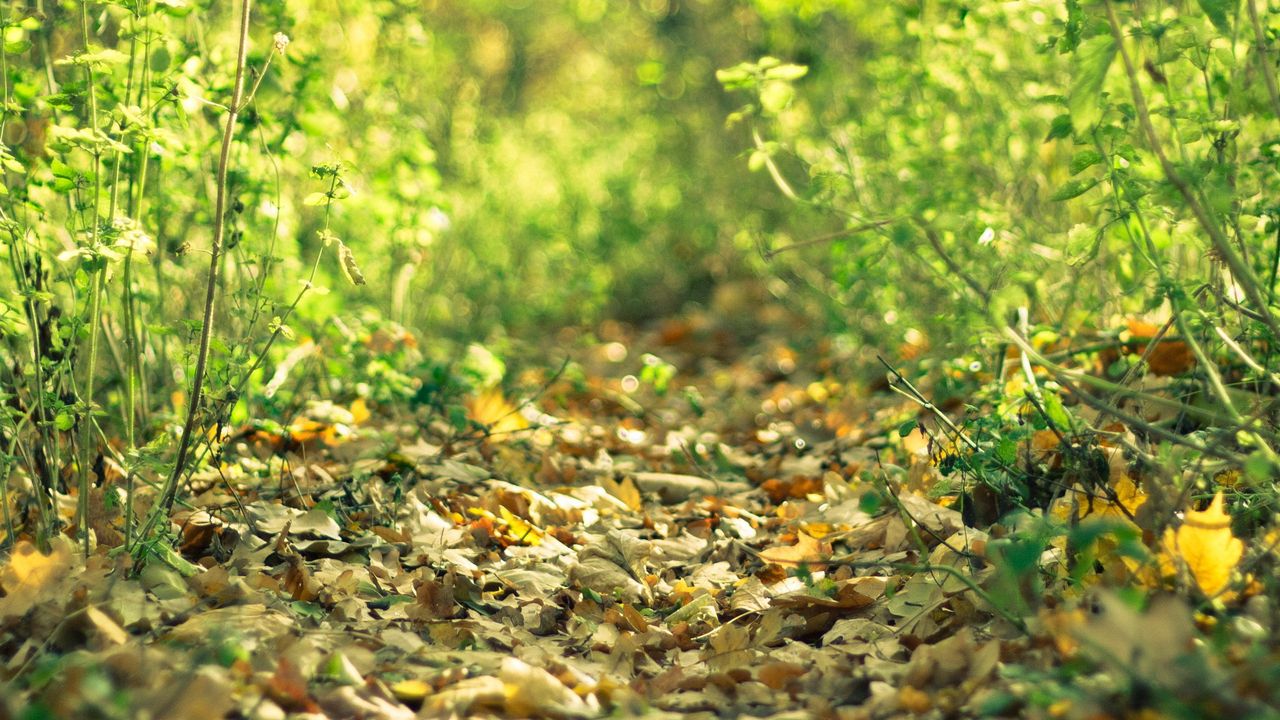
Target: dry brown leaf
x=288 y=688
x=624 y=490
x=808 y=550
x=534 y=692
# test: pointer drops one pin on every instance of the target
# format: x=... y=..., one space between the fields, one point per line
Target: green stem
x=166 y=501
x=95 y=303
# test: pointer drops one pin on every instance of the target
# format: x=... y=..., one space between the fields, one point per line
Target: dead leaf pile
x=763 y=557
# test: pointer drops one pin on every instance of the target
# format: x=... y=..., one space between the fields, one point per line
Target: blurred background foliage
x=531 y=164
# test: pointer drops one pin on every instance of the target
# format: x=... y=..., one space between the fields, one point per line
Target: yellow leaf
x=1129 y=495
x=492 y=410
x=31 y=577
x=410 y=691
x=27 y=566
x=1206 y=545
x=624 y=489
x=519 y=529
x=359 y=411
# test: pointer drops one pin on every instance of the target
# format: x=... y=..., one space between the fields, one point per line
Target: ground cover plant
x=569 y=359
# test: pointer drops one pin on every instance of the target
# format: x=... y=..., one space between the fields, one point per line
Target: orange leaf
x=1141 y=330
x=1170 y=357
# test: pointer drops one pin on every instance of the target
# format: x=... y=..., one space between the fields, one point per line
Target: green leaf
x=1083 y=243
x=1217 y=12
x=775 y=96
x=481 y=368
x=870 y=503
x=1257 y=467
x=1075 y=21
x=1073 y=188
x=64 y=421
x=736 y=77
x=1083 y=160
x=1057 y=413
x=1007 y=451
x=1092 y=60
x=786 y=72
x=309 y=610
x=104 y=56
x=1059 y=128
x=905 y=428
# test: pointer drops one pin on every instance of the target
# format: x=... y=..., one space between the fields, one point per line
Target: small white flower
x=281 y=41
x=987 y=236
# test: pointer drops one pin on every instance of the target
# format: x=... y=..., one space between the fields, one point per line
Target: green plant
x=1149 y=193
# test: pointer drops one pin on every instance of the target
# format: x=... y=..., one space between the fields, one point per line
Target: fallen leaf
x=410 y=691
x=532 y=692
x=808 y=550
x=359 y=411
x=492 y=410
x=1205 y=543
x=30 y=574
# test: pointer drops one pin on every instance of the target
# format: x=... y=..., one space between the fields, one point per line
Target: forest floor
x=760 y=539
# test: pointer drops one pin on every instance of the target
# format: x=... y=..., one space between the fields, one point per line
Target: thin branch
x=936 y=243
x=1069 y=378
x=771 y=254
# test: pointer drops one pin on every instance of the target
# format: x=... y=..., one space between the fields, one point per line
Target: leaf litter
x=776 y=549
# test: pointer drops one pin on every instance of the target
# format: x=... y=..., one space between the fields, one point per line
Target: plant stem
x=211 y=289
x=95 y=303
